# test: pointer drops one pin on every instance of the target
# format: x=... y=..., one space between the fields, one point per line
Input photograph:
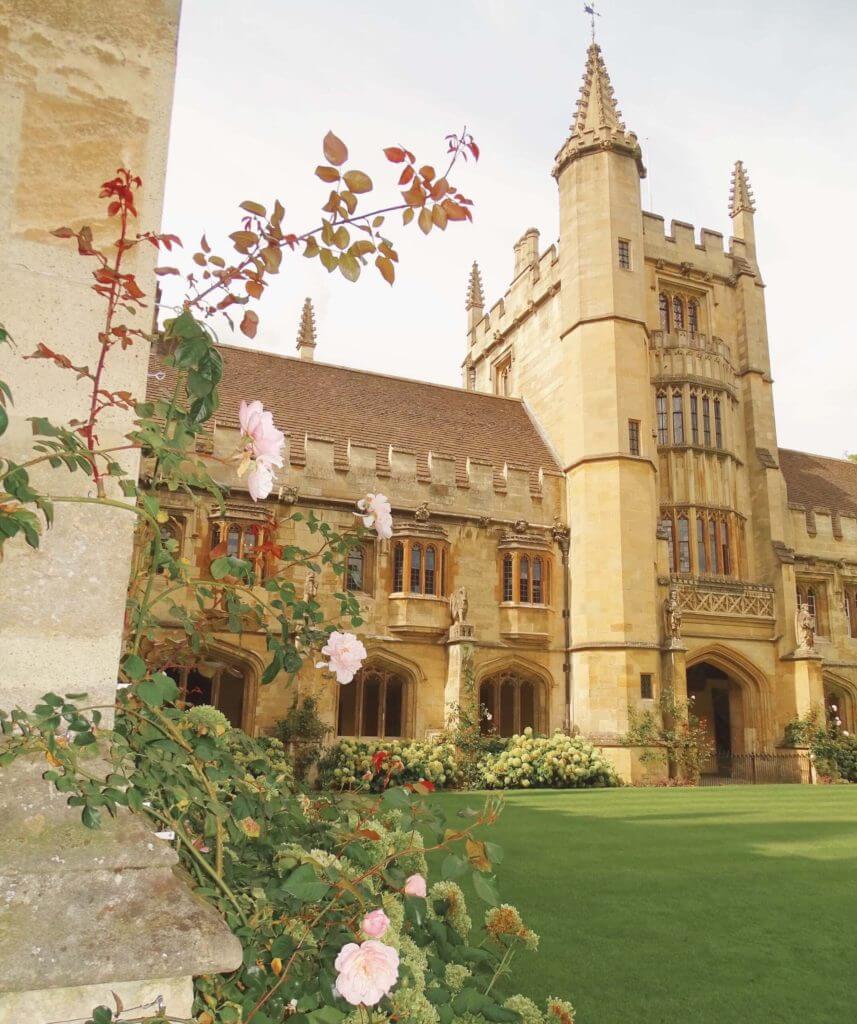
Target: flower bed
x=382 y=763
x=558 y=761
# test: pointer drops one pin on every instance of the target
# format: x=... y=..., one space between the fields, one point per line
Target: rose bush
x=559 y=761
x=352 y=764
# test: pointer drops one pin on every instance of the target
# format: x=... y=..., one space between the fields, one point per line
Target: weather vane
x=593 y=14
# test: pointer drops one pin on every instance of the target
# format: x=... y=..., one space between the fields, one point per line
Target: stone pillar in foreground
x=85 y=88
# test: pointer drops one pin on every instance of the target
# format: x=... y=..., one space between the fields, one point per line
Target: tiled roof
x=820 y=482
x=373 y=409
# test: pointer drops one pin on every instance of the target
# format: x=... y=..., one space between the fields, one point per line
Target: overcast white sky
x=703 y=84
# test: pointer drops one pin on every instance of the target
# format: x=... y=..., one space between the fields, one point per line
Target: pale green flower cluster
x=559 y=761
x=455 y=976
x=530 y=1013
x=455 y=911
x=346 y=764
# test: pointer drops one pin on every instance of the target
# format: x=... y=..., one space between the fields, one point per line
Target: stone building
x=606 y=487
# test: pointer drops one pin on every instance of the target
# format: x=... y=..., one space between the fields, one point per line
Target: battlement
x=536 y=278
x=681 y=246
x=317 y=466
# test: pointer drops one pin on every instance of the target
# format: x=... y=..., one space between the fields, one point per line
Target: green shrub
x=349 y=764
x=303 y=732
x=559 y=761
x=835 y=755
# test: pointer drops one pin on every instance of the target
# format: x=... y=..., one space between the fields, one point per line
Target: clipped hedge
x=836 y=755
x=558 y=761
x=349 y=764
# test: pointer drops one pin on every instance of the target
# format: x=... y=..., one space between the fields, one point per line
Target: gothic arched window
x=678 y=419
x=661 y=409
x=693 y=316
x=416 y=564
x=508 y=578
x=683 y=544
x=678 y=313
x=664 y=311
x=701 y=559
x=718 y=424
x=373 y=704
x=510 y=702
x=524 y=580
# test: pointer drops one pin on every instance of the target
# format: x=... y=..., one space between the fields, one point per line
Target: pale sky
x=702 y=84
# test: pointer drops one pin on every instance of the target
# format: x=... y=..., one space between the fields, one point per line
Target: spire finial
x=475 y=296
x=306 y=331
x=740 y=193
x=593 y=14
x=596 y=106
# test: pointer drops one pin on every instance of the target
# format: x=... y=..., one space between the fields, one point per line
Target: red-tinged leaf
x=203 y=243
x=368 y=833
x=362 y=247
x=328 y=174
x=84 y=242
x=415 y=196
x=377 y=222
x=358 y=182
x=254 y=289
x=427 y=172
x=249 y=323
x=350 y=201
x=425 y=220
x=199 y=259
x=439 y=217
x=394 y=154
x=474 y=149
x=161 y=271
x=277 y=215
x=454 y=211
x=335 y=150
x=408 y=216
x=386 y=268
x=63 y=233
x=132 y=288
x=252 y=207
x=406 y=175
x=113 y=209
x=439 y=189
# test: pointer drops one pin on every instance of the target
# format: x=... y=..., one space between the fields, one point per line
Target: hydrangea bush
x=353 y=764
x=558 y=761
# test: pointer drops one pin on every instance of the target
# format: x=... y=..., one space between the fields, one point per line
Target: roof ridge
x=817 y=455
x=373 y=373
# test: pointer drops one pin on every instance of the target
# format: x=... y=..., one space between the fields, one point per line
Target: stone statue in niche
x=805 y=628
x=672 y=618
x=458 y=604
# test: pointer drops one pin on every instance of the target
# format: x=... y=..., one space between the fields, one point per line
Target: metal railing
x=757 y=769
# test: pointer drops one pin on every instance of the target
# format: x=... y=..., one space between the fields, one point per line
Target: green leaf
x=453 y=867
x=134 y=667
x=396 y=797
x=486 y=888
x=90 y=816
x=326 y=1015
x=304 y=884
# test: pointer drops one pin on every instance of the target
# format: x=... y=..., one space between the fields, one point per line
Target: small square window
x=624 y=254
x=634 y=436
x=647 y=686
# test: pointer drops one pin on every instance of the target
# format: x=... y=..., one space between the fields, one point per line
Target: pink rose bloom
x=374 y=924
x=366 y=972
x=375 y=511
x=262 y=440
x=260 y=481
x=415 y=886
x=345 y=654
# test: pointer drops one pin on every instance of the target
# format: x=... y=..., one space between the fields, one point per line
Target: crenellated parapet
x=701 y=257
x=319 y=469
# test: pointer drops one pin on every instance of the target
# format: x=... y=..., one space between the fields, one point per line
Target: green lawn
x=735 y=905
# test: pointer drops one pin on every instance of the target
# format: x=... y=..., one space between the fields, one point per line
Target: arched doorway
x=226 y=683
x=840 y=705
x=734 y=698
x=376 y=704
x=511 y=700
